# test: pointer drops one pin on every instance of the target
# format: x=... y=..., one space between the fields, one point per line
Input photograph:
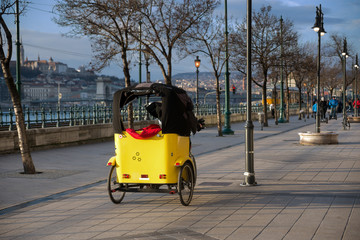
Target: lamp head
x=322 y=30
x=197 y=62
x=344 y=52
x=317 y=23
x=316 y=28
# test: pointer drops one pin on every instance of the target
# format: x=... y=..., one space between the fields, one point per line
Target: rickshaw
x=154 y=158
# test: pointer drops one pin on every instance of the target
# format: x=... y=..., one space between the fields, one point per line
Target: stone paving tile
x=335 y=220
x=304 y=227
x=352 y=230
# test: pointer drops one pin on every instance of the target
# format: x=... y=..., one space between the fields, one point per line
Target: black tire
x=194 y=168
x=115 y=195
x=186 y=184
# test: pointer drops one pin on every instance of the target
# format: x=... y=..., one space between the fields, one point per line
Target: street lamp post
x=147 y=58
x=345 y=55
x=197 y=65
x=249 y=126
x=319 y=28
x=227 y=129
x=18 y=75
x=275 y=103
x=356 y=95
x=281 y=117
x=140 y=68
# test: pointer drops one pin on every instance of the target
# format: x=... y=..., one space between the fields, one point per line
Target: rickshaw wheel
x=115 y=195
x=186 y=184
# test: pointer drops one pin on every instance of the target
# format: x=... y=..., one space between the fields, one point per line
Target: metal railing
x=56 y=117
x=97 y=114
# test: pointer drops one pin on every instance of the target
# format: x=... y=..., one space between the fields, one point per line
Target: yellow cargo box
x=150 y=161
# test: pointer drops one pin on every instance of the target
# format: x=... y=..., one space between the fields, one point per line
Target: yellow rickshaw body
x=155 y=160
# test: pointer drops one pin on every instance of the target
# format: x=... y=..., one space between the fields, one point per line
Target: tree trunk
x=311 y=103
x=265 y=105
x=275 y=104
x=307 y=104
x=127 y=84
x=28 y=164
x=264 y=100
x=287 y=99
x=218 y=108
x=169 y=72
x=299 y=103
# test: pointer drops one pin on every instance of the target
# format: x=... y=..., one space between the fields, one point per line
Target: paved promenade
x=303 y=192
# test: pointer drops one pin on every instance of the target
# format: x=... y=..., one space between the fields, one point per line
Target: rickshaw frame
x=161 y=160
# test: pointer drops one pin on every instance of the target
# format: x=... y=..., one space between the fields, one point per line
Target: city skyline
x=41 y=36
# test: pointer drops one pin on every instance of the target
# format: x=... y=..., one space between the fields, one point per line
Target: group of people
x=334 y=105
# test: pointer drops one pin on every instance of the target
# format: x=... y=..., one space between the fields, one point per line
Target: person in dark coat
x=323 y=108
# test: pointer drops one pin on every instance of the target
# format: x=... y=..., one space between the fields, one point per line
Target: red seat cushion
x=146 y=132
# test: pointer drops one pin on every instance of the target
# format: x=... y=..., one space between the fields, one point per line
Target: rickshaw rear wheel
x=113 y=186
x=186 y=184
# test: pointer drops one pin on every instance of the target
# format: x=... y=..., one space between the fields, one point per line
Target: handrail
x=96 y=114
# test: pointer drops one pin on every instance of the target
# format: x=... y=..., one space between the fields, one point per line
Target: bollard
x=261 y=119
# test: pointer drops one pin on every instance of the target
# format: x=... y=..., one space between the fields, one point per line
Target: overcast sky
x=42 y=37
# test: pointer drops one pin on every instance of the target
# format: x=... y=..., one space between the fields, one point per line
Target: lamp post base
x=245 y=184
x=282 y=120
x=249 y=181
x=227 y=129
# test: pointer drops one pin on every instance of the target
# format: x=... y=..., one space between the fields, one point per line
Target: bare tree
x=332 y=75
x=165 y=23
x=303 y=68
x=108 y=25
x=334 y=49
x=210 y=41
x=7 y=7
x=266 y=41
x=309 y=86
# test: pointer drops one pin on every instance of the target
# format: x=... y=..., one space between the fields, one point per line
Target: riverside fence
x=97 y=114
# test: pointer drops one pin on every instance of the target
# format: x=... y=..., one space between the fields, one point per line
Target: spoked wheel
x=115 y=195
x=186 y=184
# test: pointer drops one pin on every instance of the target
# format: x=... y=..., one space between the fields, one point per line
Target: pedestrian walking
x=272 y=109
x=314 y=108
x=323 y=108
x=333 y=103
x=356 y=104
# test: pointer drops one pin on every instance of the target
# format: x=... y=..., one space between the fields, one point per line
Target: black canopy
x=175 y=112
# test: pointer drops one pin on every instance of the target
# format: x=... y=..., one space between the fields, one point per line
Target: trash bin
x=261 y=117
